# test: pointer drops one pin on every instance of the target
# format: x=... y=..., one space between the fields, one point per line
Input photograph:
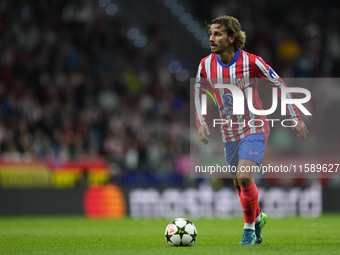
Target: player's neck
x=227 y=56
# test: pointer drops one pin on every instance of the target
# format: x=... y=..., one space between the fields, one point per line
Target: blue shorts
x=251 y=147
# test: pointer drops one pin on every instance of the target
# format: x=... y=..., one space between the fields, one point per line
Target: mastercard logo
x=105 y=201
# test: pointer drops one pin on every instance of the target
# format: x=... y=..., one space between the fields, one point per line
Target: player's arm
x=202 y=126
x=271 y=78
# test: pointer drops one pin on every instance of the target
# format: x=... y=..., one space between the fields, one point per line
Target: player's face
x=219 y=39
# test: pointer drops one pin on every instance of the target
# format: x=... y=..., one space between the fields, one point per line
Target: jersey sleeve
x=200 y=120
x=272 y=79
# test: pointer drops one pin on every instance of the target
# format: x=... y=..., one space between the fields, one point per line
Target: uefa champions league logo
x=227 y=99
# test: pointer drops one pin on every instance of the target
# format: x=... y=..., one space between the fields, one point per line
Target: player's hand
x=301 y=130
x=202 y=130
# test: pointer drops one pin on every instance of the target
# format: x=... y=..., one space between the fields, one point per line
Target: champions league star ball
x=228 y=100
x=180 y=232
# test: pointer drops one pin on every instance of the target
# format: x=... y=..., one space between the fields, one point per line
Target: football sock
x=249 y=202
x=249 y=226
x=258 y=213
x=258 y=218
x=258 y=209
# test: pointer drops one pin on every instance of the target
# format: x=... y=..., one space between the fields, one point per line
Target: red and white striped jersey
x=241 y=72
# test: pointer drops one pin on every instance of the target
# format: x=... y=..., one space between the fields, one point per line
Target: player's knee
x=245 y=182
x=236 y=184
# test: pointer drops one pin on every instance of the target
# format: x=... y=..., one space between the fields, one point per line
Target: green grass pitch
x=78 y=235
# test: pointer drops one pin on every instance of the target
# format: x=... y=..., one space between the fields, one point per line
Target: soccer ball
x=180 y=232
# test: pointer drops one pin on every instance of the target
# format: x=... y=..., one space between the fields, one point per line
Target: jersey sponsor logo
x=204 y=97
x=208 y=92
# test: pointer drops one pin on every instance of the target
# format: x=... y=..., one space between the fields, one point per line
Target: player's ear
x=231 y=39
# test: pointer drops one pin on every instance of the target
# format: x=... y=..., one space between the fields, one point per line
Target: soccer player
x=244 y=145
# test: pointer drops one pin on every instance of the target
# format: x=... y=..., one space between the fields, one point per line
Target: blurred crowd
x=73 y=85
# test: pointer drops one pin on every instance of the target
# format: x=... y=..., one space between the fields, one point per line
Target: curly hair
x=232 y=27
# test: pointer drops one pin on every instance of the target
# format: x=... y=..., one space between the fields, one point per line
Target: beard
x=217 y=51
